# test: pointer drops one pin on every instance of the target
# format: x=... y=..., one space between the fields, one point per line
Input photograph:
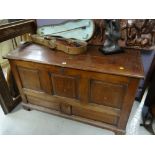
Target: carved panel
x=108 y=94
x=65 y=85
x=138 y=33
x=30 y=78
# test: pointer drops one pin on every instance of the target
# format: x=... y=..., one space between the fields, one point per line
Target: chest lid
x=125 y=64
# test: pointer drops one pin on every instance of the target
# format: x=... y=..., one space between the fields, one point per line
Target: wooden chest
x=91 y=87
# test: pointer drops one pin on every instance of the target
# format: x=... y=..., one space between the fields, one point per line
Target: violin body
x=70 y=46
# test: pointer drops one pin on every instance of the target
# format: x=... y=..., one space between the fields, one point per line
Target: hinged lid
x=126 y=64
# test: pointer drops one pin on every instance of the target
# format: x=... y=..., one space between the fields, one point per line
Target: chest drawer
x=95 y=115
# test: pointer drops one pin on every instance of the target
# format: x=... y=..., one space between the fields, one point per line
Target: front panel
x=79 y=93
x=30 y=78
x=106 y=93
x=64 y=85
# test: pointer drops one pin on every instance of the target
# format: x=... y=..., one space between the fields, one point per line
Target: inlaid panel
x=106 y=93
x=30 y=78
x=66 y=86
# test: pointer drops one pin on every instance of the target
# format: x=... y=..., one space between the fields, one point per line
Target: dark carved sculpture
x=112 y=32
x=138 y=33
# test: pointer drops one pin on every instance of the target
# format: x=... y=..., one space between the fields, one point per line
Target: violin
x=70 y=46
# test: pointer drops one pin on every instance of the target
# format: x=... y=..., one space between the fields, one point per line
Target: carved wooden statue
x=138 y=33
x=113 y=34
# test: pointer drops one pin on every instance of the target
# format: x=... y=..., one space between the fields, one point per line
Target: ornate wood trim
x=18 y=28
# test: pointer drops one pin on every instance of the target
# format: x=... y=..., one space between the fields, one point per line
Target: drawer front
x=43 y=103
x=95 y=115
x=106 y=93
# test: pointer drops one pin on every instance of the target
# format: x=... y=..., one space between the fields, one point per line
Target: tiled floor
x=34 y=122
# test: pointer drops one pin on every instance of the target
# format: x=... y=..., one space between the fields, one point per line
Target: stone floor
x=22 y=122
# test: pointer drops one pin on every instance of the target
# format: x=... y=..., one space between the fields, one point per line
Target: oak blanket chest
x=91 y=87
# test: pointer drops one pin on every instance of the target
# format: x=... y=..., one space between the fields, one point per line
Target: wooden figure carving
x=113 y=35
x=138 y=33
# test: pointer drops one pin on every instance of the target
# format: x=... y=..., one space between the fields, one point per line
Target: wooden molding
x=14 y=29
